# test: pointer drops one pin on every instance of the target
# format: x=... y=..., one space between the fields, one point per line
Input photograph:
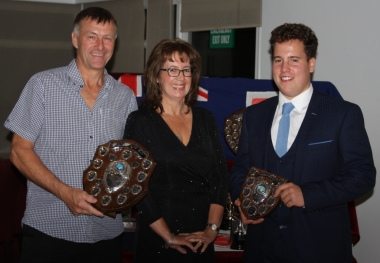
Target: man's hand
x=291 y=195
x=27 y=161
x=78 y=201
x=244 y=219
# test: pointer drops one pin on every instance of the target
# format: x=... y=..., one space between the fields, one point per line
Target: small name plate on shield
x=118 y=176
x=256 y=195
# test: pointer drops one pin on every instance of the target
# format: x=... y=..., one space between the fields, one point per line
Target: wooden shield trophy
x=118 y=176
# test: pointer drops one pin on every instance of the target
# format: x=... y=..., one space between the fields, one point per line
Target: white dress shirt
x=300 y=102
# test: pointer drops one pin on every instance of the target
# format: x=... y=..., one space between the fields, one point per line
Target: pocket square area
x=322 y=142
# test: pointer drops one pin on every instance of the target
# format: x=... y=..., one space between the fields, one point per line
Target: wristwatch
x=213 y=226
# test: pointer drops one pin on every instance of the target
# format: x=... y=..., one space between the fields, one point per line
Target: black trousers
x=39 y=247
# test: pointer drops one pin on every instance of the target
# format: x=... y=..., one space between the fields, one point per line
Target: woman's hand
x=181 y=240
x=176 y=242
x=202 y=238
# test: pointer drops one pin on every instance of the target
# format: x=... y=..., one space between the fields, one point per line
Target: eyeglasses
x=174 y=72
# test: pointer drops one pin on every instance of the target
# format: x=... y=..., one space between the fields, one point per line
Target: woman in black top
x=179 y=217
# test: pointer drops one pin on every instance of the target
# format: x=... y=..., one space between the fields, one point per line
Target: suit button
x=282 y=227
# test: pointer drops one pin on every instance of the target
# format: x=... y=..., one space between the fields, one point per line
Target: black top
x=186 y=180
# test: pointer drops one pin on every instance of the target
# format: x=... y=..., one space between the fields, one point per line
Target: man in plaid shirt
x=61 y=117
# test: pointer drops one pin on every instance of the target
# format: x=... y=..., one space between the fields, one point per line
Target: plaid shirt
x=51 y=113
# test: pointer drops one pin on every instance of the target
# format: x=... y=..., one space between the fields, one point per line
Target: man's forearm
x=30 y=165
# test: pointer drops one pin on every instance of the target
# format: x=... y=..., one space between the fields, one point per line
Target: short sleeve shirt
x=52 y=114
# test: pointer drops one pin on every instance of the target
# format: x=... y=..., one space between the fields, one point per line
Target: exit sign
x=224 y=38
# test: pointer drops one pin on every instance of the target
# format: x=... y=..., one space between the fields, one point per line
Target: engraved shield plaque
x=232 y=127
x=118 y=176
x=256 y=195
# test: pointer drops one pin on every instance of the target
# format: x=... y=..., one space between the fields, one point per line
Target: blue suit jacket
x=333 y=165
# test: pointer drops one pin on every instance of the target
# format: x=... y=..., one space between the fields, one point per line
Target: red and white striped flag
x=134 y=82
x=202 y=94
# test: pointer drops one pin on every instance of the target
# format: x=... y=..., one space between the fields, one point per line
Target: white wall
x=348 y=56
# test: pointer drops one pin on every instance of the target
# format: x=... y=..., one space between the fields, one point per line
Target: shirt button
x=280 y=161
x=282 y=227
x=91 y=137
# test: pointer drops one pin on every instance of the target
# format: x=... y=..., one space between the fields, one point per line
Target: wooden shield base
x=118 y=176
x=256 y=195
x=232 y=128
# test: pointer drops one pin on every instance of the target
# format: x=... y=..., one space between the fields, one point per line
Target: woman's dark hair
x=162 y=52
x=287 y=32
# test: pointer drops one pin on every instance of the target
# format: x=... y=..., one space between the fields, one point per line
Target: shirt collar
x=300 y=102
x=76 y=80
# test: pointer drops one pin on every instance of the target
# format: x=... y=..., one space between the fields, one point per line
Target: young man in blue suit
x=327 y=159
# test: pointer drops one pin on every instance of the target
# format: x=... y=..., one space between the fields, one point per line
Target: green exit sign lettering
x=224 y=38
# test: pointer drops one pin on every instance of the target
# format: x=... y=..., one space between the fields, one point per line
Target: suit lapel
x=266 y=132
x=308 y=124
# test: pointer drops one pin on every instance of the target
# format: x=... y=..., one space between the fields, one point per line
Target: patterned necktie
x=283 y=129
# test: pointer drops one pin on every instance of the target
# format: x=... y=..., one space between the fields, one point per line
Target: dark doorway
x=237 y=62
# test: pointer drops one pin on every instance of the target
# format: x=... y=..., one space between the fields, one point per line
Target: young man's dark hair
x=287 y=32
